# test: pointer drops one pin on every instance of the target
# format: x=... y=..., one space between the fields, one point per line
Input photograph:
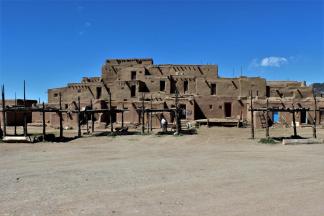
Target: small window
x=66 y=106
x=210 y=106
x=55 y=94
x=173 y=86
x=133 y=75
x=185 y=86
x=213 y=89
x=162 y=85
x=79 y=90
x=98 y=92
x=133 y=90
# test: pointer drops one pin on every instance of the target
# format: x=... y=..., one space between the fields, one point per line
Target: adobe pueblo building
x=204 y=97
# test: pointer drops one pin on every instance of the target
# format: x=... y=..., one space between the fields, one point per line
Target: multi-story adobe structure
x=203 y=94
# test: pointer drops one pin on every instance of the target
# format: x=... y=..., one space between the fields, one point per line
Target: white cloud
x=273 y=61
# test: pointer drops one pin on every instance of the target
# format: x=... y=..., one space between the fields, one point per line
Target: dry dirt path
x=218 y=172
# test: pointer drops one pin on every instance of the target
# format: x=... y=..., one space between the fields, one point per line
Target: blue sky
x=51 y=43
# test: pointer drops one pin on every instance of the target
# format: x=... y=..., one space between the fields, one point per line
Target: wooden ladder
x=263 y=119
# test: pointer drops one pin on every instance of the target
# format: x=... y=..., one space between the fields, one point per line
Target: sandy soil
x=217 y=172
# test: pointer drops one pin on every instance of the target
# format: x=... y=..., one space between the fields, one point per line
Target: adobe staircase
x=184 y=123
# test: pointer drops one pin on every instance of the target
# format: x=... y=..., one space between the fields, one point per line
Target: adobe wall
x=213 y=107
x=17 y=118
x=202 y=91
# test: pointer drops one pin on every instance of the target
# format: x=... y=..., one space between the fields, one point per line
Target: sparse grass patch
x=268 y=140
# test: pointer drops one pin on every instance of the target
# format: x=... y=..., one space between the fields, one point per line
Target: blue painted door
x=275 y=117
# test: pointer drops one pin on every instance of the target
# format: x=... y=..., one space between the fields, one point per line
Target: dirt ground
x=217 y=172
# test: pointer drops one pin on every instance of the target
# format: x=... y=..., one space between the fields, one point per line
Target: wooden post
x=122 y=125
x=151 y=117
x=122 y=113
x=143 y=114
x=60 y=116
x=314 y=122
x=148 y=122
x=92 y=117
x=267 y=120
x=252 y=116
x=15 y=115
x=110 y=114
x=44 y=124
x=294 y=121
x=4 y=112
x=87 y=123
x=178 y=124
x=25 y=116
x=78 y=118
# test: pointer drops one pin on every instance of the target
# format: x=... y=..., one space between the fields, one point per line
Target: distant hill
x=318 y=88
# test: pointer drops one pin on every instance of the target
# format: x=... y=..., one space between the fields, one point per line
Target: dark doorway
x=213 y=89
x=172 y=115
x=228 y=109
x=98 y=92
x=173 y=86
x=322 y=116
x=133 y=75
x=303 y=117
x=162 y=85
x=183 y=111
x=133 y=90
x=185 y=86
x=268 y=91
x=113 y=115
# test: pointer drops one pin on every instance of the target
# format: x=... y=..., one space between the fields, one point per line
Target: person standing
x=164 y=124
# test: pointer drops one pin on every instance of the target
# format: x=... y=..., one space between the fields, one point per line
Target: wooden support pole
x=44 y=124
x=314 y=122
x=87 y=121
x=78 y=118
x=60 y=116
x=4 y=111
x=122 y=119
x=178 y=123
x=151 y=116
x=110 y=113
x=143 y=114
x=122 y=113
x=267 y=120
x=294 y=121
x=25 y=116
x=15 y=116
x=147 y=122
x=92 y=117
x=252 y=116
